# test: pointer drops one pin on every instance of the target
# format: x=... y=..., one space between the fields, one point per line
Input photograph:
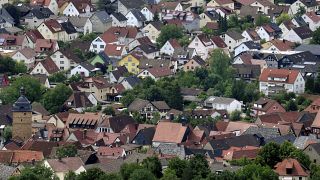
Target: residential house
x=131 y=62
x=195 y=62
x=65 y=165
x=101 y=21
x=266 y=106
x=251 y=35
x=115 y=75
x=312 y=19
x=152 y=30
x=156 y=73
x=166 y=6
x=79 y=101
x=232 y=39
x=208 y=17
x=286 y=26
x=46 y=45
x=50 y=4
x=279 y=45
x=36 y=16
x=218 y=3
x=169 y=133
x=65 y=59
x=144 y=136
x=269 y=31
x=115 y=51
x=43 y=79
x=313 y=151
x=150 y=12
x=147 y=109
x=124 y=6
x=150 y=51
x=298 y=21
x=26 y=56
x=315 y=126
x=84 y=69
x=169 y=47
x=248 y=72
x=13 y=42
x=6 y=20
x=130 y=82
x=52 y=29
x=118 y=20
x=81 y=24
x=16 y=157
x=272 y=81
x=308 y=5
x=115 y=124
x=135 y=18
x=46 y=67
x=300 y=35
x=98 y=86
x=222 y=103
x=291 y=169
x=78 y=8
x=245 y=46
x=203 y=45
x=264 y=6
x=139 y=42
x=32 y=36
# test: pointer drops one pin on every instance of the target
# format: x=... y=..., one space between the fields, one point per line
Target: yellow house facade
x=131 y=63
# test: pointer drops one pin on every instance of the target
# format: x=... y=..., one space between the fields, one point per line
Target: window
x=101 y=46
x=94 y=46
x=61 y=56
x=61 y=62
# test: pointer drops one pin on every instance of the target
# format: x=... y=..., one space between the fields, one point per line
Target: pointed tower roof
x=22 y=104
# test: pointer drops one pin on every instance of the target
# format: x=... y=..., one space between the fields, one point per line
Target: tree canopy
x=169 y=32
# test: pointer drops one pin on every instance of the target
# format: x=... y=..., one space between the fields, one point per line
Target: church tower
x=22 y=117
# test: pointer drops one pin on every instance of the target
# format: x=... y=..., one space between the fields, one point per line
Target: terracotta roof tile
x=168 y=132
x=65 y=164
x=296 y=168
x=289 y=75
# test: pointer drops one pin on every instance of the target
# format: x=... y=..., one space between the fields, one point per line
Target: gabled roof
x=174 y=43
x=157 y=24
x=103 y=16
x=147 y=133
x=87 y=66
x=282 y=45
x=289 y=75
x=159 y=72
x=28 y=52
x=309 y=3
x=118 y=123
x=34 y=35
x=133 y=4
x=253 y=34
x=39 y=13
x=303 y=32
x=53 y=25
x=296 y=168
x=70 y=55
x=5 y=16
x=20 y=156
x=199 y=60
x=313 y=48
x=266 y=132
x=168 y=132
x=219 y=100
x=138 y=15
x=119 y=72
x=78 y=100
x=237 y=141
x=252 y=45
x=234 y=35
x=313 y=16
x=114 y=49
x=132 y=80
x=81 y=5
x=218 y=41
x=119 y=16
x=68 y=27
x=65 y=164
x=49 y=65
x=43 y=146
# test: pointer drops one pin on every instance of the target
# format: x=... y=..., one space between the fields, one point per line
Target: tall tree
x=54 y=98
x=169 y=32
x=153 y=165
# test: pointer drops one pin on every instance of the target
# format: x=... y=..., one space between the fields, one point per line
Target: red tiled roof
x=114 y=49
x=45 y=43
x=169 y=132
x=160 y=71
x=34 y=35
x=212 y=25
x=20 y=156
x=174 y=43
x=113 y=33
x=110 y=151
x=53 y=25
x=293 y=164
x=313 y=16
x=290 y=75
x=282 y=45
x=218 y=41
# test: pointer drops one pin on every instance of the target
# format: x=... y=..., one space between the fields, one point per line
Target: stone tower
x=22 y=117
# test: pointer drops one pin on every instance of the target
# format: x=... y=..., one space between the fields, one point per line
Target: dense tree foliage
x=7 y=133
x=169 y=32
x=282 y=18
x=58 y=77
x=33 y=90
x=272 y=153
x=37 y=172
x=291 y=102
x=316 y=36
x=256 y=171
x=261 y=20
x=67 y=151
x=11 y=67
x=54 y=98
